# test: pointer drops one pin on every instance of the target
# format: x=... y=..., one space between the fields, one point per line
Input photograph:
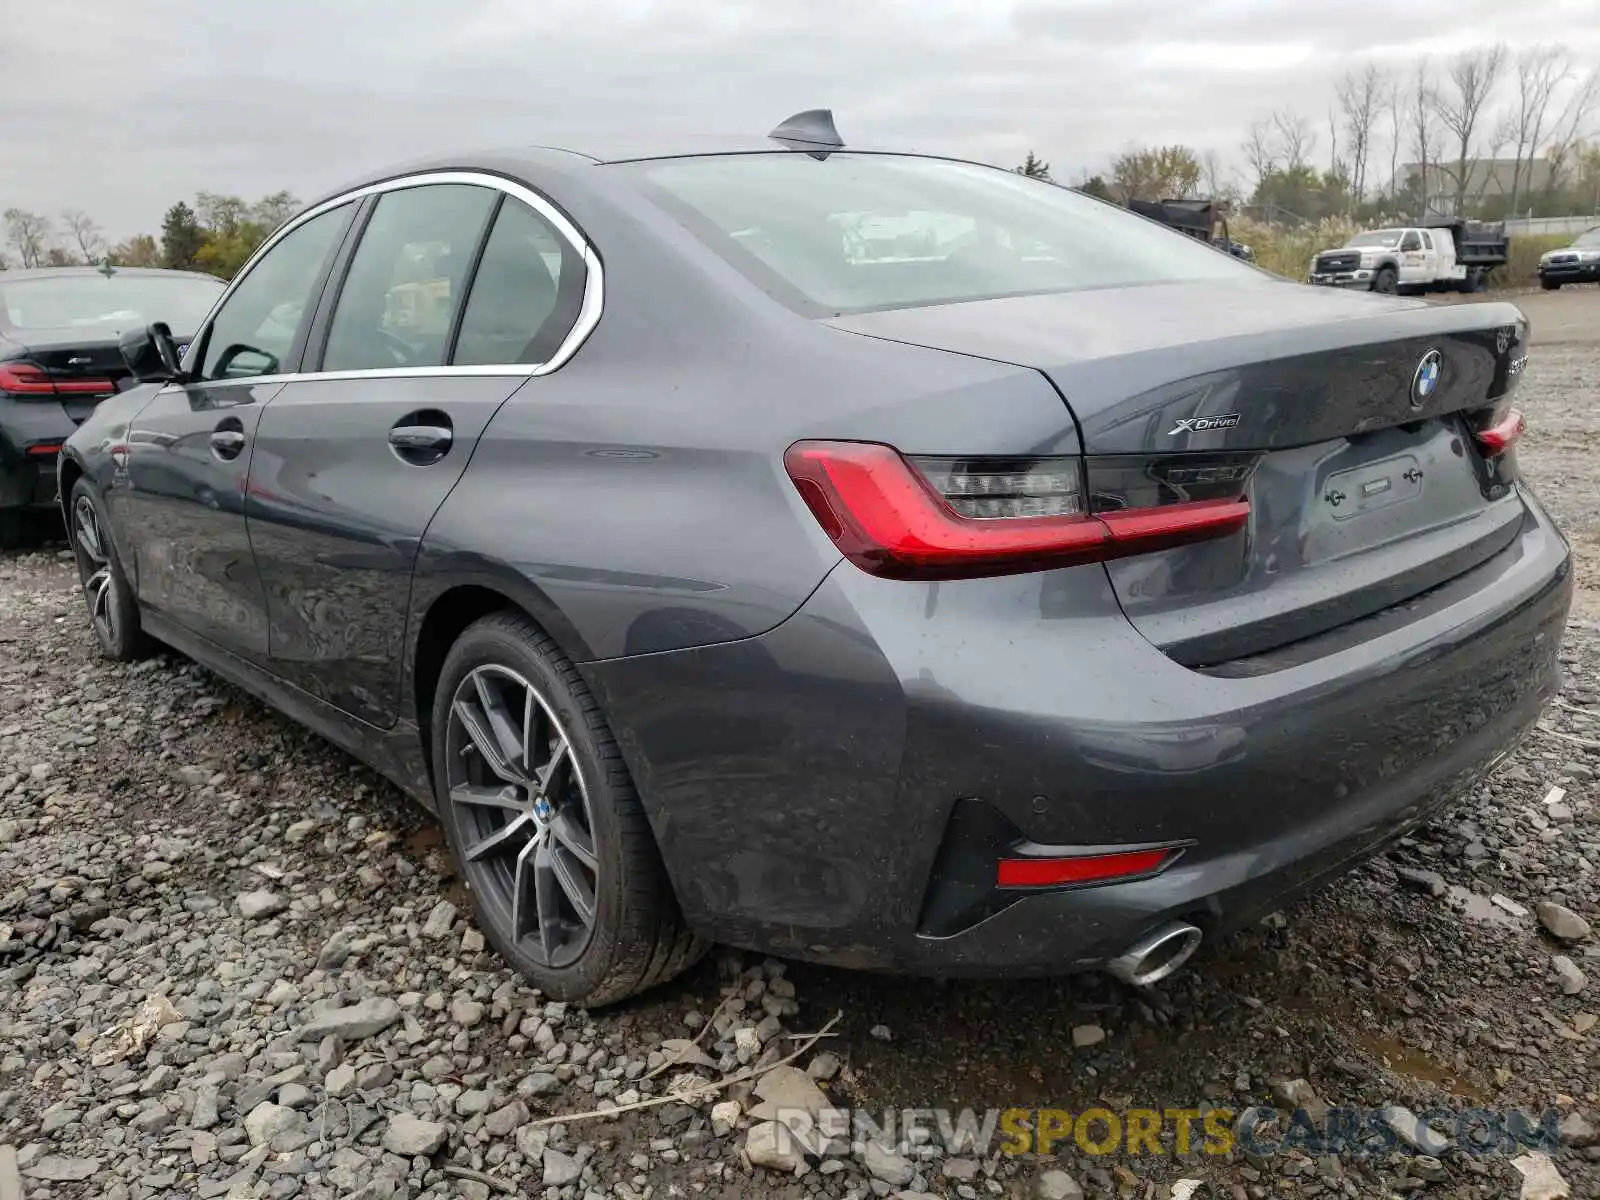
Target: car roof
x=793 y=136
x=72 y=272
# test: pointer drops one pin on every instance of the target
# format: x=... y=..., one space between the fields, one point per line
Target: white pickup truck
x=1455 y=256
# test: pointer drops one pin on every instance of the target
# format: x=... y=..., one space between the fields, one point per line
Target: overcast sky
x=121 y=107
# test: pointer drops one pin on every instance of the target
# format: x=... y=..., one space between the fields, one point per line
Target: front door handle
x=227 y=444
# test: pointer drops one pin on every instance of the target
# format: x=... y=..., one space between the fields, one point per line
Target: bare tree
x=1359 y=98
x=1541 y=70
x=1260 y=151
x=1568 y=131
x=1395 y=99
x=1296 y=138
x=1215 y=177
x=1423 y=110
x=1471 y=80
x=30 y=234
x=86 y=233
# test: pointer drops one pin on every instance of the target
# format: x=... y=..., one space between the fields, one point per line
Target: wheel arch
x=446 y=613
x=68 y=472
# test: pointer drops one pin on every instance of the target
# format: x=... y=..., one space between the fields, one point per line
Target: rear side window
x=399 y=298
x=254 y=330
x=525 y=296
x=855 y=232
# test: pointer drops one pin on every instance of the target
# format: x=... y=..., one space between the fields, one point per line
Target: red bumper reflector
x=45 y=450
x=1497 y=439
x=1091 y=868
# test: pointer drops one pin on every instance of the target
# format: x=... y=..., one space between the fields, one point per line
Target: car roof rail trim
x=588 y=312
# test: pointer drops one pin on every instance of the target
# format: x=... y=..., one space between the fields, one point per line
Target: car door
x=181 y=509
x=352 y=460
x=1413 y=260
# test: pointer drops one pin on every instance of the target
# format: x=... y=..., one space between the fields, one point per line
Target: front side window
x=398 y=302
x=525 y=295
x=1412 y=242
x=254 y=330
x=855 y=232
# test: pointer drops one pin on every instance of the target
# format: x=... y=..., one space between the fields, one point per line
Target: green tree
x=1155 y=173
x=1033 y=167
x=141 y=250
x=181 y=238
x=1096 y=186
x=271 y=211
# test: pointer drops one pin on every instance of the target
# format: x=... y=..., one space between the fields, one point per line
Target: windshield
x=118 y=302
x=857 y=232
x=1589 y=240
x=1388 y=238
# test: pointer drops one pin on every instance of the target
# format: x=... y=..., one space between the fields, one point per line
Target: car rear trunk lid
x=1357 y=412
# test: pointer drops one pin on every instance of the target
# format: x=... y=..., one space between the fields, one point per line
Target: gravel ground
x=233 y=963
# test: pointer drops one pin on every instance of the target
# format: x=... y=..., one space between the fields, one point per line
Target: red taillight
x=1497 y=439
x=888 y=519
x=45 y=450
x=84 y=387
x=1090 y=868
x=25 y=379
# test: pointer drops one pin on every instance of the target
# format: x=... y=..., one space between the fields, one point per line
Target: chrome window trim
x=588 y=311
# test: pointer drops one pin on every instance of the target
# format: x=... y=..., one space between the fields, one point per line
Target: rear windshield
x=115 y=303
x=857 y=232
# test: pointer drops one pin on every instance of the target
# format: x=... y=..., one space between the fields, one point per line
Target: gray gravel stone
x=355 y=1021
x=258 y=906
x=1561 y=922
x=411 y=1136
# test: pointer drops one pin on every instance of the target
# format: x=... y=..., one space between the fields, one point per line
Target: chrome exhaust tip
x=1156 y=955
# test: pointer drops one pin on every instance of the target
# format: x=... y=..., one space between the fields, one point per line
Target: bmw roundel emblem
x=1426 y=379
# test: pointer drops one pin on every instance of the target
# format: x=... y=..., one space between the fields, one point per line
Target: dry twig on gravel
x=698 y=1093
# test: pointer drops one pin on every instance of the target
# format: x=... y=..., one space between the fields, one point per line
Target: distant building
x=1486 y=177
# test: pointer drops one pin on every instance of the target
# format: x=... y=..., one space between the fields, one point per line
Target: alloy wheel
x=94 y=568
x=522 y=810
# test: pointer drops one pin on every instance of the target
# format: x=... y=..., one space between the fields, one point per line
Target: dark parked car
x=1578 y=263
x=1038 y=598
x=58 y=358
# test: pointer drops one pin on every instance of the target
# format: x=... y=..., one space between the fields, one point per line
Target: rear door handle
x=421 y=437
x=227 y=443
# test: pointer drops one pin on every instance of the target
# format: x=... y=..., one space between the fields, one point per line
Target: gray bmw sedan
x=870 y=558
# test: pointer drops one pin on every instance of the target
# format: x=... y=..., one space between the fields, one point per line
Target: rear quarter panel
x=637 y=498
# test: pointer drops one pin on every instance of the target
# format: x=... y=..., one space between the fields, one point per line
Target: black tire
x=113 y=611
x=636 y=937
x=1550 y=285
x=1386 y=281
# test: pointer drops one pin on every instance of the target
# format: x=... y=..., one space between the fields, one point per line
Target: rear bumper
x=30 y=433
x=802 y=783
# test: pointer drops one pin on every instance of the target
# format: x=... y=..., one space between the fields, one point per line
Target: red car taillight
x=29 y=379
x=1500 y=437
x=944 y=518
x=25 y=379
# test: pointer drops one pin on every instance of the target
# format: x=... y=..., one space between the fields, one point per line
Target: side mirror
x=151 y=354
